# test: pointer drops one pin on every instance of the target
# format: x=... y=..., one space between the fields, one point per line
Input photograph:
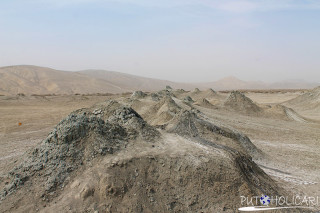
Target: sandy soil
x=272 y=98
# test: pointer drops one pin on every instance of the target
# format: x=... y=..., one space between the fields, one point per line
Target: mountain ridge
x=30 y=79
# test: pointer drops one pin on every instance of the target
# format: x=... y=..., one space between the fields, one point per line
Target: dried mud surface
x=169 y=151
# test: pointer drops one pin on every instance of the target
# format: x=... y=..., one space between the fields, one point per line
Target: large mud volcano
x=107 y=158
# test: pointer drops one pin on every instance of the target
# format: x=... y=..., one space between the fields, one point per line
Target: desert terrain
x=29 y=79
x=160 y=106
x=165 y=151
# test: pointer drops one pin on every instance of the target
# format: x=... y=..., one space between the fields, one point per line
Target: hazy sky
x=180 y=40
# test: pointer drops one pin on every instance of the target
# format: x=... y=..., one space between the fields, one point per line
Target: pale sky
x=179 y=40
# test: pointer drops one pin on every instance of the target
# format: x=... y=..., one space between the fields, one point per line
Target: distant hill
x=133 y=82
x=293 y=85
x=29 y=79
x=41 y=80
x=233 y=83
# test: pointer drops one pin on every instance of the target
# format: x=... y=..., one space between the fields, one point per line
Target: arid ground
x=284 y=133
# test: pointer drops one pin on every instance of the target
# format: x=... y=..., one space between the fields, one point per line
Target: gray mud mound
x=138 y=94
x=237 y=101
x=188 y=100
x=164 y=93
x=156 y=96
x=211 y=91
x=179 y=183
x=196 y=90
x=205 y=103
x=168 y=88
x=179 y=92
x=189 y=124
x=285 y=113
x=209 y=94
x=307 y=101
x=162 y=112
x=311 y=97
x=107 y=158
x=136 y=103
x=176 y=175
x=76 y=140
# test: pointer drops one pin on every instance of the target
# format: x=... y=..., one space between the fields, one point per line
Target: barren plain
x=167 y=151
